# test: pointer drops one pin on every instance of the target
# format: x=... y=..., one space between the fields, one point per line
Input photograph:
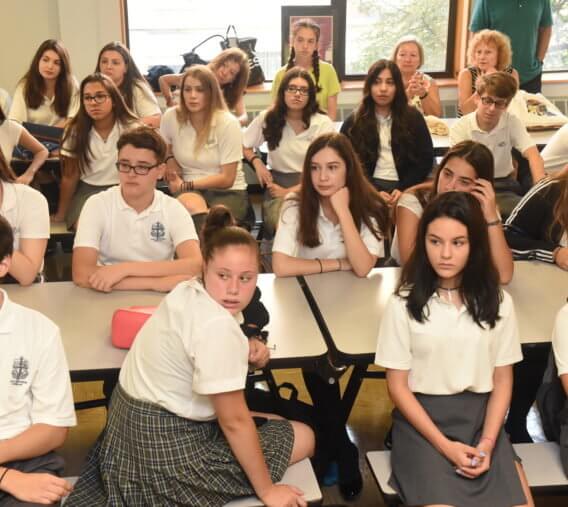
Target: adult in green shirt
x=528 y=23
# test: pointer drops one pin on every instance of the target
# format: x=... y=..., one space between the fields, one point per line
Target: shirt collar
x=499 y=126
x=153 y=208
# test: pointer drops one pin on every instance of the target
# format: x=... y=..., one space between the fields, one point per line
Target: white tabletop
x=352 y=307
x=84 y=317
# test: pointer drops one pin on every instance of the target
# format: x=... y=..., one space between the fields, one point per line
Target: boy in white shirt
x=500 y=131
x=127 y=235
x=36 y=402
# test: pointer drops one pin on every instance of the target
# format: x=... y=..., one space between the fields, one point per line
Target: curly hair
x=499 y=40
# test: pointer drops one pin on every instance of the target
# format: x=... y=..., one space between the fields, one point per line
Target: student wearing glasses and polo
x=288 y=127
x=491 y=125
x=127 y=235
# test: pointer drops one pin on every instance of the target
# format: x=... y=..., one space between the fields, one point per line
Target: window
x=557 y=55
x=159 y=32
x=374 y=26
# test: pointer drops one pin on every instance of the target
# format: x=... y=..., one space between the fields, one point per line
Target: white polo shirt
x=555 y=153
x=45 y=113
x=223 y=146
x=288 y=157
x=121 y=234
x=332 y=244
x=103 y=157
x=10 y=132
x=35 y=385
x=448 y=353
x=385 y=169
x=508 y=134
x=410 y=202
x=144 y=101
x=560 y=340
x=190 y=348
x=26 y=211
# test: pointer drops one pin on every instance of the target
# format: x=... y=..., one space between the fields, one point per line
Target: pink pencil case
x=126 y=322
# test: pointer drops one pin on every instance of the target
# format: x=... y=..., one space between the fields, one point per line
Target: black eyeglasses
x=140 y=170
x=499 y=103
x=302 y=90
x=99 y=98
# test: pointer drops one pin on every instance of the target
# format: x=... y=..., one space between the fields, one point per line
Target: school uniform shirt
x=26 y=211
x=328 y=82
x=411 y=203
x=288 y=157
x=5 y=101
x=385 y=168
x=560 y=341
x=190 y=348
x=121 y=234
x=224 y=145
x=555 y=153
x=448 y=353
x=144 y=102
x=101 y=170
x=35 y=383
x=332 y=243
x=10 y=132
x=508 y=134
x=45 y=114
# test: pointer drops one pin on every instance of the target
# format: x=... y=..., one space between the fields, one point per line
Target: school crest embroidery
x=158 y=232
x=20 y=371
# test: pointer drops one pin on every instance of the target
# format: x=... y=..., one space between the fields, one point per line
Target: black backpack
x=551 y=402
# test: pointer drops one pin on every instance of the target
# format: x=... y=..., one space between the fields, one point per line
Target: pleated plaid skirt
x=149 y=456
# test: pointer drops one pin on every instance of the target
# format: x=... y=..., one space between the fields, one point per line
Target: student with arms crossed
x=128 y=234
x=36 y=402
x=448 y=339
x=179 y=431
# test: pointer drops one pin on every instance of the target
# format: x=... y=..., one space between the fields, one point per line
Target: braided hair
x=310 y=24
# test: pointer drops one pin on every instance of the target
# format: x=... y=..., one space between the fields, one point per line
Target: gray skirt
x=149 y=456
x=82 y=193
x=271 y=205
x=421 y=475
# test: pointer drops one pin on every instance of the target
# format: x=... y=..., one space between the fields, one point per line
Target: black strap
x=207 y=39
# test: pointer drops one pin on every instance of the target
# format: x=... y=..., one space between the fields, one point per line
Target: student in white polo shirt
x=36 y=402
x=128 y=235
x=88 y=152
x=288 y=128
x=500 y=131
x=27 y=212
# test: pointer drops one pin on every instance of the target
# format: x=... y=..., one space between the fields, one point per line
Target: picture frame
x=325 y=17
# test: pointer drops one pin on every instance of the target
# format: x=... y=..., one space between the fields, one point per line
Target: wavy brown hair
x=364 y=132
x=76 y=136
x=501 y=42
x=234 y=90
x=214 y=99
x=365 y=203
x=296 y=27
x=34 y=84
x=275 y=119
x=133 y=76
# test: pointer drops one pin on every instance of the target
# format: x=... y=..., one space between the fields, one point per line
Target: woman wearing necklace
x=448 y=339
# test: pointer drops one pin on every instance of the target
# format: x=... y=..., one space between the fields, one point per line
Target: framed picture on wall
x=322 y=16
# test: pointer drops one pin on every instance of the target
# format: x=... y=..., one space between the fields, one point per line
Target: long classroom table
x=84 y=317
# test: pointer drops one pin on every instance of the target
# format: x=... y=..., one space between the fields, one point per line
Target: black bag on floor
x=551 y=402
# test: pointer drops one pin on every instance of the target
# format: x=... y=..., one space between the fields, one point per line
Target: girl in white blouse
x=448 y=340
x=288 y=127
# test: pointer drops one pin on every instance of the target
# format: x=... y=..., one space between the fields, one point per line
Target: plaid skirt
x=149 y=456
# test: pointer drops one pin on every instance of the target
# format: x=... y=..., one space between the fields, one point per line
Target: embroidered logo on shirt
x=20 y=371
x=158 y=232
x=501 y=144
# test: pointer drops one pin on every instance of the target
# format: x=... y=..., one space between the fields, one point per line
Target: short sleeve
x=145 y=102
x=409 y=201
x=520 y=137
x=546 y=18
x=52 y=399
x=276 y=83
x=286 y=238
x=67 y=143
x=479 y=19
x=18 y=110
x=459 y=131
x=74 y=104
x=393 y=343
x=375 y=246
x=91 y=224
x=333 y=85
x=325 y=125
x=181 y=226
x=509 y=347
x=560 y=341
x=229 y=139
x=253 y=137
x=220 y=365
x=35 y=215
x=167 y=125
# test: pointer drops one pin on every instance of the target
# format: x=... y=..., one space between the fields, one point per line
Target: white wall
x=84 y=26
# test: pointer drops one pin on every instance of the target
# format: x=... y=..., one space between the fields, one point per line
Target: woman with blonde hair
x=231 y=68
x=489 y=51
x=204 y=147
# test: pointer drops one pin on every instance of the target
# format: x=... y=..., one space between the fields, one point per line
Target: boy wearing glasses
x=127 y=235
x=491 y=125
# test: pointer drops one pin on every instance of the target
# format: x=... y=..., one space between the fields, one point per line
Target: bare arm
x=466 y=99
x=152 y=120
x=332 y=107
x=26 y=262
x=166 y=82
x=406 y=230
x=262 y=172
x=223 y=180
x=564 y=380
x=40 y=156
x=432 y=104
x=241 y=111
x=37 y=440
x=536 y=163
x=544 y=36
x=70 y=175
x=286 y=265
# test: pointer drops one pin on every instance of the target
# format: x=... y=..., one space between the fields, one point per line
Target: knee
x=194 y=203
x=304 y=442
